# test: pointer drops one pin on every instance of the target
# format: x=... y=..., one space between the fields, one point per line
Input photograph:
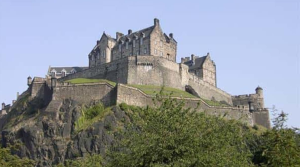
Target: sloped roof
x=145 y=31
x=68 y=69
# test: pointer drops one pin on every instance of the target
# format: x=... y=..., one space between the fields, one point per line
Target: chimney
x=29 y=80
x=3 y=106
x=118 y=35
x=129 y=31
x=98 y=41
x=193 y=58
x=17 y=95
x=171 y=35
x=156 y=22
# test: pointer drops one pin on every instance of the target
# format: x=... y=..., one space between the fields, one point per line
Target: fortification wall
x=261 y=117
x=134 y=96
x=150 y=70
x=207 y=91
x=85 y=93
x=40 y=89
x=115 y=71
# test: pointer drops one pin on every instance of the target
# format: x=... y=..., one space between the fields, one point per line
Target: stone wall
x=262 y=118
x=151 y=70
x=207 y=91
x=134 y=96
x=115 y=71
x=85 y=93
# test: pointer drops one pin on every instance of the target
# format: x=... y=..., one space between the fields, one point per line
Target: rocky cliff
x=48 y=133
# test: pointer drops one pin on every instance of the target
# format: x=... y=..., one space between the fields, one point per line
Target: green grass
x=153 y=90
x=86 y=80
x=91 y=115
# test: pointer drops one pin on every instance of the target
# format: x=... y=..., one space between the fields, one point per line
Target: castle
x=146 y=57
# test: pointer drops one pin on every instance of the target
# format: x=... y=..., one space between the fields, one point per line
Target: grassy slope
x=86 y=80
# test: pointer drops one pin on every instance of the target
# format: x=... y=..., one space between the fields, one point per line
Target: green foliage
x=170 y=135
x=91 y=115
x=153 y=90
x=86 y=80
x=279 y=146
x=9 y=160
x=88 y=161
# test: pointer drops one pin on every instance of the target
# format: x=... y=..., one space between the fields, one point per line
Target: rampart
x=85 y=93
x=110 y=95
x=134 y=96
x=207 y=91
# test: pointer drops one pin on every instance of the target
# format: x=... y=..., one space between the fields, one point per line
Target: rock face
x=51 y=138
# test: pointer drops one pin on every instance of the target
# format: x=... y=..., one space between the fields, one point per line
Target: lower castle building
x=147 y=57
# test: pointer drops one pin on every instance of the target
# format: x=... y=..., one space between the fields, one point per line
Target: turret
x=29 y=80
x=260 y=100
x=3 y=106
x=259 y=91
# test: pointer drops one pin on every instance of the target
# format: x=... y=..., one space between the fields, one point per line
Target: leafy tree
x=170 y=135
x=88 y=161
x=9 y=160
x=280 y=145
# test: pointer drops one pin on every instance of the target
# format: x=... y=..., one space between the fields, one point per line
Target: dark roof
x=68 y=69
x=145 y=31
x=198 y=62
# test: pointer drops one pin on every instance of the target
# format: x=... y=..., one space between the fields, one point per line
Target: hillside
x=168 y=134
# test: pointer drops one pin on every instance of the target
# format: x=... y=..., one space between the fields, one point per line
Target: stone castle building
x=147 y=57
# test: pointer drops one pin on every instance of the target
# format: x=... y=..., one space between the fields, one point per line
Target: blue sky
x=252 y=42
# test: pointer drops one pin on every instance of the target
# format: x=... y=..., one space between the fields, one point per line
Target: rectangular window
x=145 y=51
x=98 y=55
x=126 y=45
x=141 y=41
x=133 y=43
x=155 y=51
x=161 y=54
x=120 y=47
x=137 y=53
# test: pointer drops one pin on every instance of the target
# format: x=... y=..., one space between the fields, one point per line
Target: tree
x=170 y=135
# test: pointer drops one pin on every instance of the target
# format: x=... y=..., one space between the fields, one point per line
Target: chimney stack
x=29 y=80
x=118 y=35
x=156 y=22
x=3 y=106
x=17 y=95
x=171 y=35
x=129 y=31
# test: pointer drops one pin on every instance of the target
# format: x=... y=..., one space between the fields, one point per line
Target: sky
x=252 y=42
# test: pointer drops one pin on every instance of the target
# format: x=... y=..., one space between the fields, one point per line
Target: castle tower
x=260 y=100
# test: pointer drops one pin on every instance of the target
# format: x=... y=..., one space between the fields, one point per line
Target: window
x=126 y=45
x=103 y=54
x=92 y=57
x=145 y=51
x=133 y=43
x=161 y=44
x=98 y=55
x=63 y=73
x=53 y=73
x=137 y=53
x=120 y=47
x=155 y=51
x=161 y=54
x=141 y=41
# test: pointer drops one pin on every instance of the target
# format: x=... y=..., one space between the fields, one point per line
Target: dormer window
x=63 y=73
x=73 y=71
x=53 y=73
